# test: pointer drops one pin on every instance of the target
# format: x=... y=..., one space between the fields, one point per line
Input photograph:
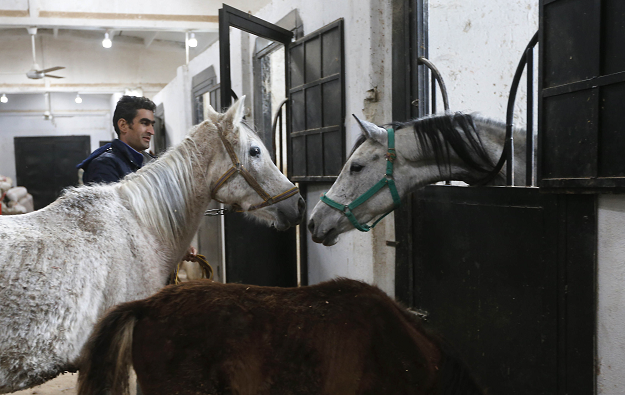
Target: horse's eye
x=355 y=168
x=254 y=151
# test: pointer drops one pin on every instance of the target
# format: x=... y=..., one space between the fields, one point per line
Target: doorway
x=47 y=165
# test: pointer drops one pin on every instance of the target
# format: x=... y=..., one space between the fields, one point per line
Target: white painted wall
x=176 y=100
x=611 y=300
x=22 y=116
x=477 y=46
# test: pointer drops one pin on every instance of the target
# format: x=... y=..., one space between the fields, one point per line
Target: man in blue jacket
x=134 y=124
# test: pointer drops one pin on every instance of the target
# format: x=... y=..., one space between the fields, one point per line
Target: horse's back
x=338 y=337
x=57 y=266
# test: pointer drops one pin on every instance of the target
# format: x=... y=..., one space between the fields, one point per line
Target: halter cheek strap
x=387 y=180
x=238 y=168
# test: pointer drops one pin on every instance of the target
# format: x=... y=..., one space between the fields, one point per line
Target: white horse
x=459 y=147
x=97 y=246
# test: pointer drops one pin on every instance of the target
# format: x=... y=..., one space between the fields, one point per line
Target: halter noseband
x=387 y=180
x=238 y=168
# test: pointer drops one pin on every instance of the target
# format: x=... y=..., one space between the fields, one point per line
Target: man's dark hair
x=127 y=108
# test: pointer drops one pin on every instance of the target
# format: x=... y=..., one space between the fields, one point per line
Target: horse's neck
x=493 y=138
x=169 y=195
x=425 y=169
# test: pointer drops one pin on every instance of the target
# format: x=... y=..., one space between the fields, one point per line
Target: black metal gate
x=46 y=165
x=255 y=254
x=507 y=274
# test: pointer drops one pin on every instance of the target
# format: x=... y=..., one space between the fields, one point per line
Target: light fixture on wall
x=192 y=40
x=78 y=99
x=107 y=43
x=4 y=98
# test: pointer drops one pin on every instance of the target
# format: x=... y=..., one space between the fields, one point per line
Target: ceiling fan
x=35 y=72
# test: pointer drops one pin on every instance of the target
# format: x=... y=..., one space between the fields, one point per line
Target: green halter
x=386 y=180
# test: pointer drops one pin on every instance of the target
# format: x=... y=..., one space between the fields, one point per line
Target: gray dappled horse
x=452 y=146
x=97 y=246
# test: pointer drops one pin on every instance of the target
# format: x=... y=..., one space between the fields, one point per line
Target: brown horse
x=338 y=337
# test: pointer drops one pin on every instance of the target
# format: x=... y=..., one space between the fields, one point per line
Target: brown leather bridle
x=238 y=168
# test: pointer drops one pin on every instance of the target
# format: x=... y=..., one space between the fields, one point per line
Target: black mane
x=440 y=134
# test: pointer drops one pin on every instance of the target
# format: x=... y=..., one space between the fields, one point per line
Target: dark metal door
x=47 y=165
x=255 y=254
x=582 y=88
x=317 y=105
x=507 y=275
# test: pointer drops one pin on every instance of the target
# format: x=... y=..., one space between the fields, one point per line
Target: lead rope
x=207 y=269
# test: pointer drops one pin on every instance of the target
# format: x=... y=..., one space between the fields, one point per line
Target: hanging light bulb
x=107 y=43
x=78 y=99
x=4 y=98
x=192 y=40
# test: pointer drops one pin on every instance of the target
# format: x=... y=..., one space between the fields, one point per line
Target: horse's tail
x=107 y=356
x=453 y=375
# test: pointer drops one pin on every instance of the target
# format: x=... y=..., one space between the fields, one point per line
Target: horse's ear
x=212 y=114
x=372 y=131
x=236 y=112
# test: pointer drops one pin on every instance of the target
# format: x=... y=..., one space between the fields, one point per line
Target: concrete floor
x=65 y=384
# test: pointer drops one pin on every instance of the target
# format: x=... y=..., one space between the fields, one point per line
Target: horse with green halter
x=387 y=180
x=446 y=147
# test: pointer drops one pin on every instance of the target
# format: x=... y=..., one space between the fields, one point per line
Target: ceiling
x=156 y=29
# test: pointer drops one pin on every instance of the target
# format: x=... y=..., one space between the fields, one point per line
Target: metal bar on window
x=436 y=75
x=277 y=138
x=509 y=144
x=529 y=154
x=433 y=89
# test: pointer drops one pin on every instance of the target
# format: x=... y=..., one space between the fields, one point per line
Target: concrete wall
x=22 y=116
x=611 y=303
x=176 y=100
x=477 y=46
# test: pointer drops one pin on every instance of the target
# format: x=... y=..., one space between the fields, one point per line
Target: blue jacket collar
x=133 y=155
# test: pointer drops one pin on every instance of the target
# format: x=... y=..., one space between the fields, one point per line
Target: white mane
x=157 y=193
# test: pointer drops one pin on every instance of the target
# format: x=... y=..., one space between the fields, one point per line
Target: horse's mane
x=439 y=134
x=158 y=192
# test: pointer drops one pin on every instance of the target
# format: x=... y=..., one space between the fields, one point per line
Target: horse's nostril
x=301 y=204
x=311 y=226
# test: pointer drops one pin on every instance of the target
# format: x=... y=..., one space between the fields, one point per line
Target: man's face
x=139 y=133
